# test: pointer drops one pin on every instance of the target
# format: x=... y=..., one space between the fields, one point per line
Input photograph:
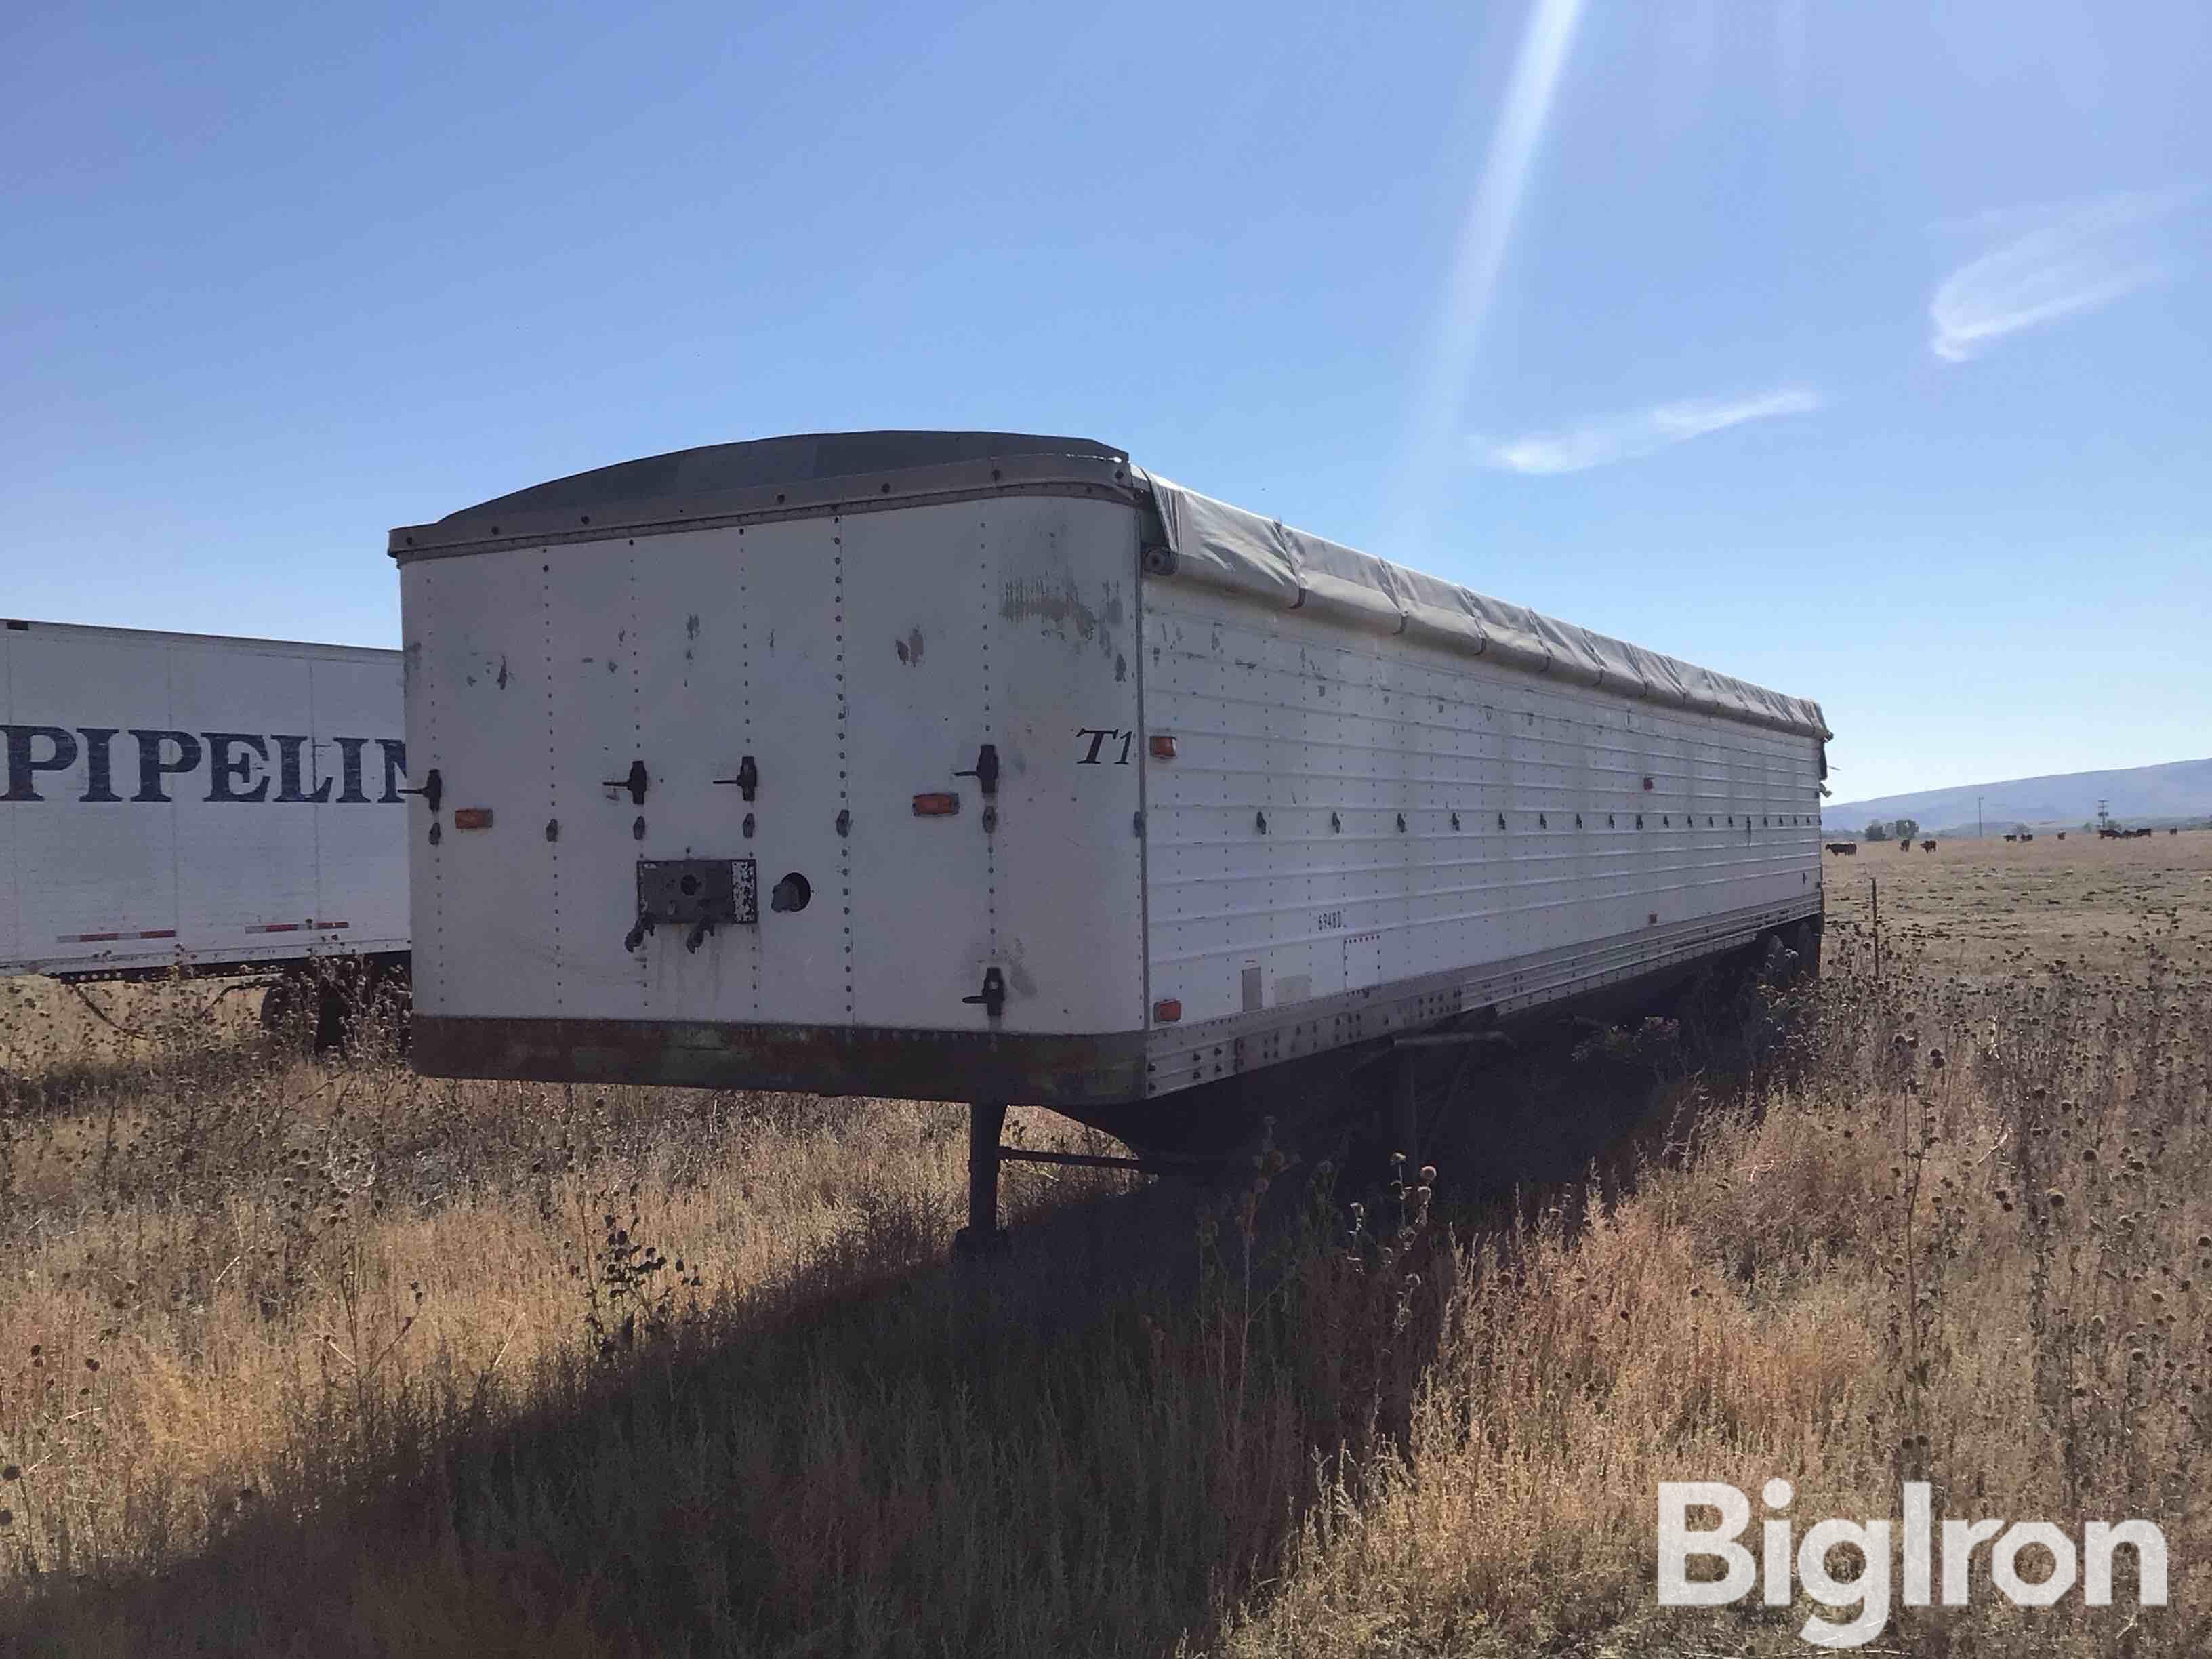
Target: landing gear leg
x=1403 y=1120
x=983 y=1237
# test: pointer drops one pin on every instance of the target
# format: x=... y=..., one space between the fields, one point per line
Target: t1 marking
x=1100 y=737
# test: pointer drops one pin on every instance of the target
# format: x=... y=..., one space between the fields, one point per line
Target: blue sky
x=1860 y=350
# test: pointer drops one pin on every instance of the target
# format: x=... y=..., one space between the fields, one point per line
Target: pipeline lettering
x=59 y=763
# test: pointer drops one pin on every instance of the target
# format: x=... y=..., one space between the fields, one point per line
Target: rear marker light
x=1162 y=745
x=936 y=806
x=1167 y=1011
x=472 y=818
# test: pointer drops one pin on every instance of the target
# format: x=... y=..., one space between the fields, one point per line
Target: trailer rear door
x=916 y=592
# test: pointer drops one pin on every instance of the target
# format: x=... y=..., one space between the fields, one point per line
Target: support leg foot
x=983 y=1238
x=969 y=1245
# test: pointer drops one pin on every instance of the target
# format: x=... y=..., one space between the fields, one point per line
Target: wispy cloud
x=1624 y=437
x=2053 y=262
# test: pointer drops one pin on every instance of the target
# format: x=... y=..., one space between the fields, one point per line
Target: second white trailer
x=981 y=767
x=193 y=802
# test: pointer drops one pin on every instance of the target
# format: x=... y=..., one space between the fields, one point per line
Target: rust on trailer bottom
x=1053 y=1069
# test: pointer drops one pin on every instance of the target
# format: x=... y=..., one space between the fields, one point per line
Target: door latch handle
x=708 y=920
x=432 y=790
x=634 y=781
x=993 y=994
x=636 y=935
x=984 y=770
x=748 y=778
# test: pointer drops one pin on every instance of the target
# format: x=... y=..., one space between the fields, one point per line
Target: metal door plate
x=685 y=891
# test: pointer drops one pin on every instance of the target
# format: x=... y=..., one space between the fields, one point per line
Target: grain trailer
x=988 y=768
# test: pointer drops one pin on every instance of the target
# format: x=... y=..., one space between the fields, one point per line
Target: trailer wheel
x=292 y=1013
x=334 y=1009
x=1808 y=946
x=325 y=1007
x=278 y=1005
x=362 y=1003
x=1791 y=955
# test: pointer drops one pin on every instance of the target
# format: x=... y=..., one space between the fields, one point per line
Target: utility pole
x=1980 y=834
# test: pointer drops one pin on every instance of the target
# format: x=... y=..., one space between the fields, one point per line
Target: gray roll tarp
x=1289 y=569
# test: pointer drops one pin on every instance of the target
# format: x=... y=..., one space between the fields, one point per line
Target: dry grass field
x=1983 y=908
x=316 y=1359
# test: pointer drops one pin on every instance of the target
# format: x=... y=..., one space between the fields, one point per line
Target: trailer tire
x=278 y=1004
x=326 y=1005
x=291 y=1013
x=1808 y=947
x=334 y=1018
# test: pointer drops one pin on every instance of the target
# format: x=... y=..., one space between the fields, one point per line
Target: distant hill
x=2179 y=789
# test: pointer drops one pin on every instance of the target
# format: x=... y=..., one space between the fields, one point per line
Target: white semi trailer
x=983 y=767
x=185 y=802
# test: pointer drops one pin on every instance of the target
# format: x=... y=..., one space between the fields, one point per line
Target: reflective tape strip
x=171 y=932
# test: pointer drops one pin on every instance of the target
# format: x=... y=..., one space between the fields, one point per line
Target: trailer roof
x=10 y=626
x=1207 y=540
x=803 y=458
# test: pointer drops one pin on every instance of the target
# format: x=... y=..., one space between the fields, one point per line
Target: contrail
x=1432 y=449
